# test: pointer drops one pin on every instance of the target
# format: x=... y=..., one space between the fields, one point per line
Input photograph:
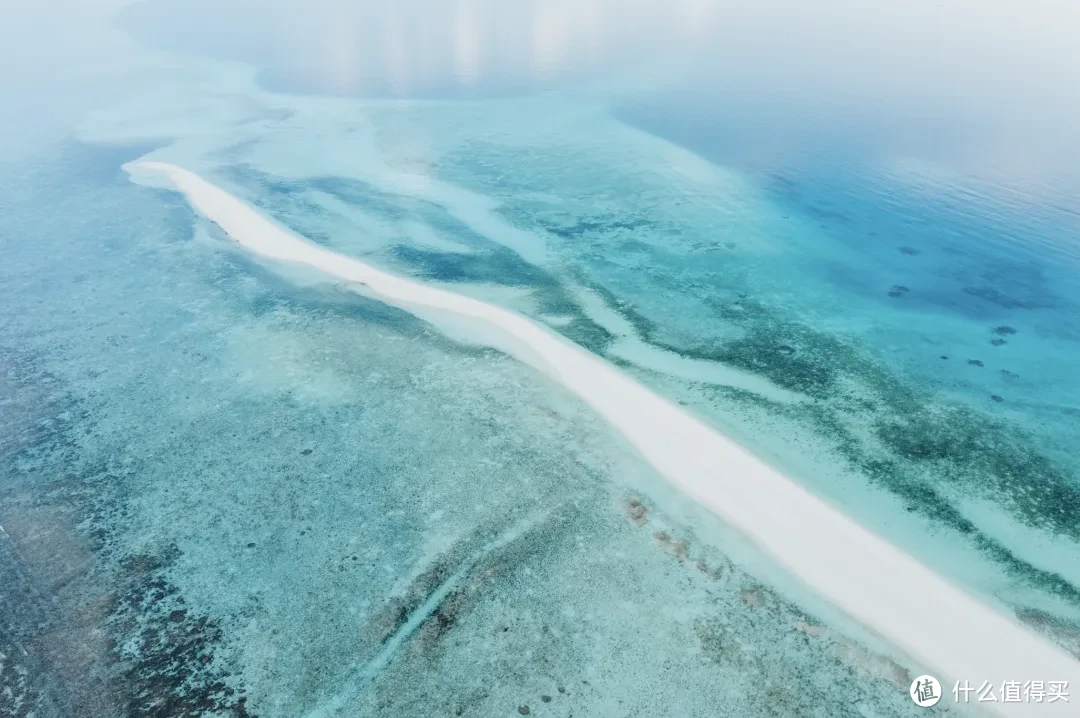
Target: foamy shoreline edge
x=953 y=634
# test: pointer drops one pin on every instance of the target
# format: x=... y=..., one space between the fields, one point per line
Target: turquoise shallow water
x=231 y=489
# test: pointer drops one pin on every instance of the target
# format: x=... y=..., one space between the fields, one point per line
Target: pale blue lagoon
x=846 y=237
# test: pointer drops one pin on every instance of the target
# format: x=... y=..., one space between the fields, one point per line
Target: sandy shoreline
x=952 y=634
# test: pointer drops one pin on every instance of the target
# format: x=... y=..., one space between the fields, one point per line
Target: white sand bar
x=953 y=634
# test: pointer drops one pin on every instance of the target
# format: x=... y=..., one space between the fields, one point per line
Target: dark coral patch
x=170 y=668
x=779 y=362
x=584 y=226
x=1007 y=301
x=970 y=449
x=505 y=267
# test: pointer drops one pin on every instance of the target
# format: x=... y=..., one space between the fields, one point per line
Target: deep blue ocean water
x=231 y=490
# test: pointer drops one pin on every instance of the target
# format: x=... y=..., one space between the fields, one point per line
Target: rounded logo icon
x=925 y=691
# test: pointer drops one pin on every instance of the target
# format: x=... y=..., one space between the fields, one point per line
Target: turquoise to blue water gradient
x=231 y=488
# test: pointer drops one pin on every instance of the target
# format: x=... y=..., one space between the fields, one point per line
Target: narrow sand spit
x=953 y=634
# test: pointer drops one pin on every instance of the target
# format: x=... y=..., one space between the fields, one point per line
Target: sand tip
x=150 y=173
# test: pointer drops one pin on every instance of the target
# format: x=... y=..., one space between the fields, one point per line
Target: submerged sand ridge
x=952 y=634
